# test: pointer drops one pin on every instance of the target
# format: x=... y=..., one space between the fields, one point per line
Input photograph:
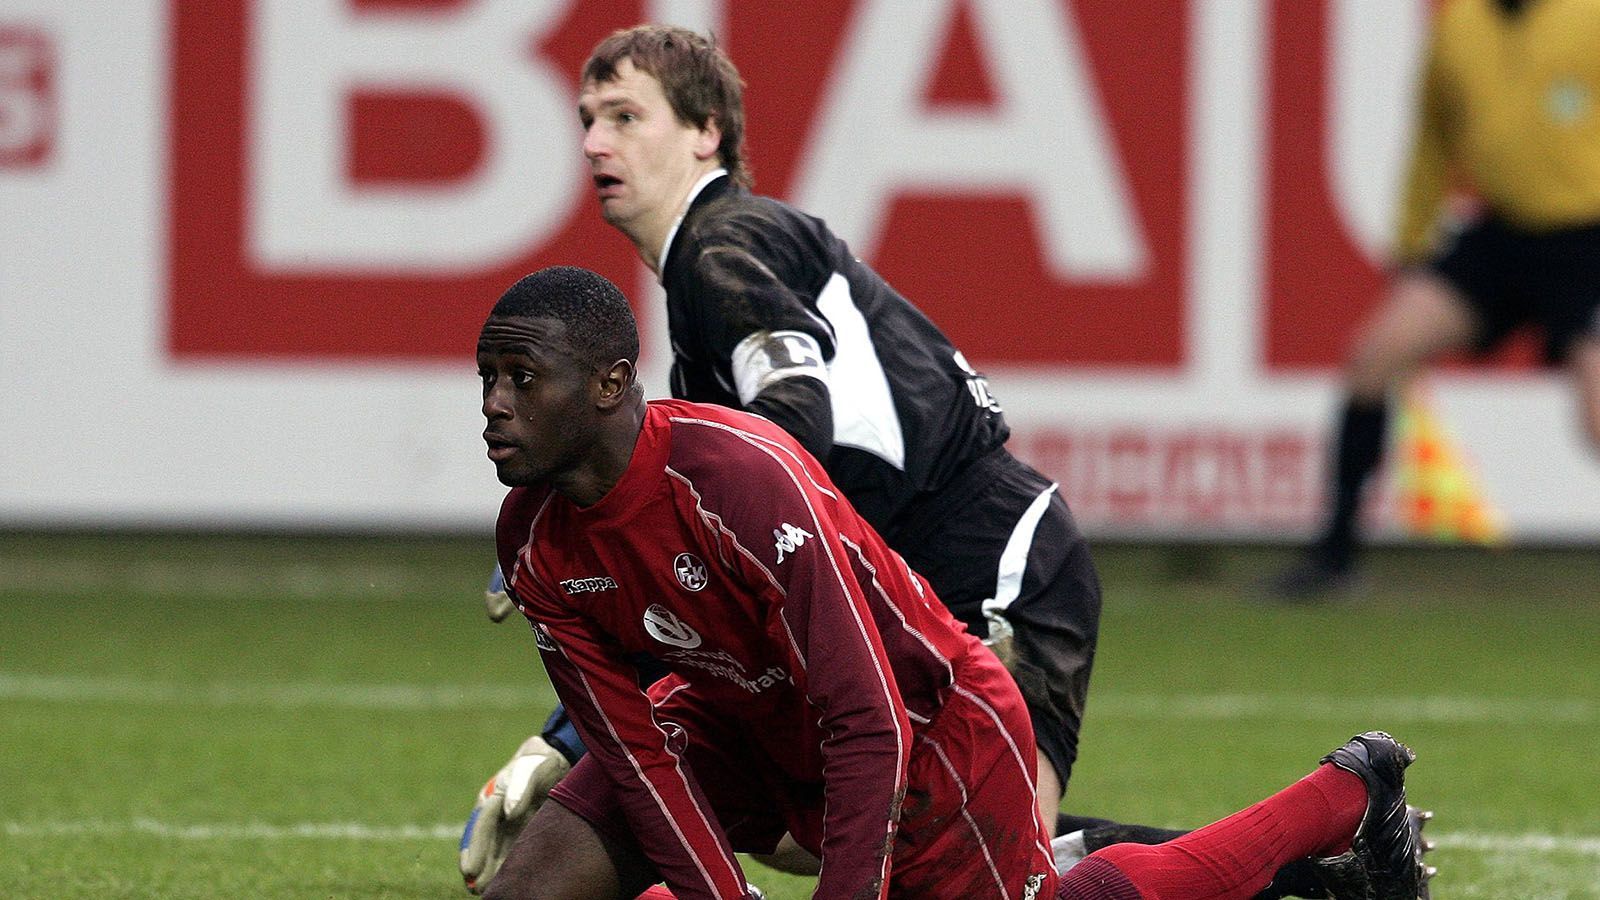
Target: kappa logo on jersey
x=667 y=628
x=1031 y=888
x=690 y=570
x=542 y=638
x=788 y=538
x=585 y=585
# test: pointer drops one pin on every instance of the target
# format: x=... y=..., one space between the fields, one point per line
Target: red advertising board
x=1318 y=281
x=224 y=304
x=971 y=258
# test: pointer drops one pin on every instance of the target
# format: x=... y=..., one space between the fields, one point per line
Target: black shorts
x=1513 y=277
x=1046 y=586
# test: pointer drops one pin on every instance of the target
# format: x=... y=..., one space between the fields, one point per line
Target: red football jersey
x=725 y=552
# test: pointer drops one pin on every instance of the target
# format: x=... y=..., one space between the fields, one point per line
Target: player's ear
x=611 y=384
x=708 y=141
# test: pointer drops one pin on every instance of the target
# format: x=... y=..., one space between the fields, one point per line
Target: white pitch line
x=426 y=697
x=260 y=831
x=404 y=697
x=1471 y=841
x=1297 y=707
x=1519 y=843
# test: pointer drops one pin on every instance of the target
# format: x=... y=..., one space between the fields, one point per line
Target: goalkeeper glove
x=504 y=806
x=496 y=602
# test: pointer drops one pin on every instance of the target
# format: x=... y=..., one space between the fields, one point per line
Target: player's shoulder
x=741 y=207
x=763 y=226
x=727 y=443
x=693 y=422
x=741 y=468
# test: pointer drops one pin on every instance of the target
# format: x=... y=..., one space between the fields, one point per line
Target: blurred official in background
x=1510 y=112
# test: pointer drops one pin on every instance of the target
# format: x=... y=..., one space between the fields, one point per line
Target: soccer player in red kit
x=818 y=686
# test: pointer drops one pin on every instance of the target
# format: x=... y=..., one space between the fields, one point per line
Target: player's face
x=643 y=159
x=536 y=398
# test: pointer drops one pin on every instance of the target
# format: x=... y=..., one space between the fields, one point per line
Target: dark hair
x=600 y=324
x=699 y=79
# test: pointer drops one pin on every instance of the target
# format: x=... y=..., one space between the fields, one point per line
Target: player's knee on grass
x=561 y=856
x=790 y=857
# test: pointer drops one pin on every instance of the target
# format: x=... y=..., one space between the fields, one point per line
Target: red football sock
x=1236 y=857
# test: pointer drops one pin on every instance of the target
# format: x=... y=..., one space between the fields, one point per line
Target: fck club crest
x=690 y=570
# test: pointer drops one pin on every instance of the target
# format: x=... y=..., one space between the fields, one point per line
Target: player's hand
x=496 y=602
x=503 y=807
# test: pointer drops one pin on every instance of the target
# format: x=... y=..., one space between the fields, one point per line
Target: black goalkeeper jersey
x=904 y=414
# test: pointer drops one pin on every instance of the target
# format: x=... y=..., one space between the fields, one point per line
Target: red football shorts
x=969 y=827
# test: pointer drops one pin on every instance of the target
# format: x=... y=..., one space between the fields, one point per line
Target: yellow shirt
x=1512 y=105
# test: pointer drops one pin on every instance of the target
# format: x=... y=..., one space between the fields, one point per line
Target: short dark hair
x=699 y=79
x=600 y=324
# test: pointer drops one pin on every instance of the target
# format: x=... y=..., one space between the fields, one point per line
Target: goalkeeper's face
x=542 y=421
x=643 y=158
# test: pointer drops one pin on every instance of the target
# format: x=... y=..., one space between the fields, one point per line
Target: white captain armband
x=768 y=356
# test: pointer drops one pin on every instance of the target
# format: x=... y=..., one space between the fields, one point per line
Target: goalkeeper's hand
x=496 y=602
x=504 y=806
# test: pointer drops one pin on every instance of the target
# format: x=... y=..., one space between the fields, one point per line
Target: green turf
x=308 y=717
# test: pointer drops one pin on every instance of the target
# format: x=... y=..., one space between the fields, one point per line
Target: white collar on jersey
x=707 y=178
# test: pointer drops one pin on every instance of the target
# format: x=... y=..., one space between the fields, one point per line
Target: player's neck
x=653 y=231
x=649 y=243
x=608 y=458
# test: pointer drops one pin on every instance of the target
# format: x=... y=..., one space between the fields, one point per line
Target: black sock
x=1066 y=824
x=1360 y=449
x=1115 y=833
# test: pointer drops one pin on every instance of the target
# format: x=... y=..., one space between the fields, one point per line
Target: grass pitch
x=308 y=717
